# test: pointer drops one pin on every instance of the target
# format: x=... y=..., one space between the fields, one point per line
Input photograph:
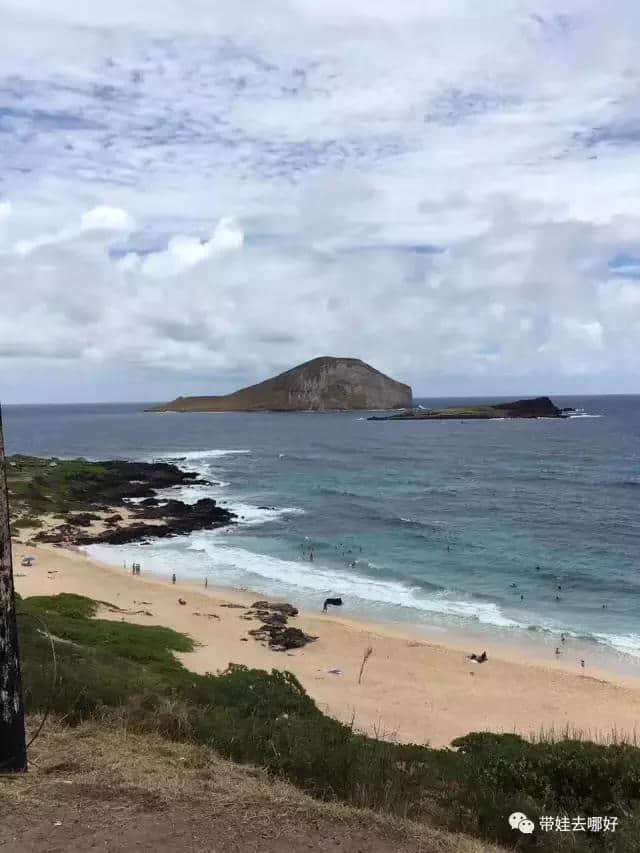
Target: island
x=322 y=384
x=538 y=407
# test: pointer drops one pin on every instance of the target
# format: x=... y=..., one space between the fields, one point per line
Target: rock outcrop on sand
x=274 y=630
x=321 y=384
x=538 y=407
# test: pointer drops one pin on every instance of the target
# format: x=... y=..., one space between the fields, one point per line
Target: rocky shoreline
x=109 y=502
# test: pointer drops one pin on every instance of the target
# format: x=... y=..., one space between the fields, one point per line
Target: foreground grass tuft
x=118 y=672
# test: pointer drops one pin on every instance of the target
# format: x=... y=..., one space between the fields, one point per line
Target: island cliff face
x=322 y=384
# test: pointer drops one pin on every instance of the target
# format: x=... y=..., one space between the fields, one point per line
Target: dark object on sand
x=274 y=630
x=478 y=658
x=82 y=519
x=334 y=602
x=281 y=638
x=277 y=606
x=181 y=601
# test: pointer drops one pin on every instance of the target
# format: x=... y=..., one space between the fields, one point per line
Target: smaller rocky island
x=77 y=502
x=538 y=407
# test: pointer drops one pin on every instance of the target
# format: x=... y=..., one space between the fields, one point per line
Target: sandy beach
x=413 y=689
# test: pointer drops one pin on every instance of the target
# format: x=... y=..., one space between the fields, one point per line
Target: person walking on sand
x=173 y=578
x=206 y=582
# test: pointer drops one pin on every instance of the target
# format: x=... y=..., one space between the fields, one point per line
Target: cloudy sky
x=195 y=195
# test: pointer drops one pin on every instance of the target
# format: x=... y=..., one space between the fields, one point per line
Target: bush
x=128 y=673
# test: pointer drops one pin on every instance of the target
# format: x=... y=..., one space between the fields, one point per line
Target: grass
x=127 y=675
x=118 y=777
x=57 y=486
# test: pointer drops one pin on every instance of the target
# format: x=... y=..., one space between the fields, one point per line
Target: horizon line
x=415 y=397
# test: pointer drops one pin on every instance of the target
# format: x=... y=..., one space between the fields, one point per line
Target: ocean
x=516 y=530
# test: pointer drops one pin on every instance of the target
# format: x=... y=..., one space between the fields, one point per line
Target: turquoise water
x=515 y=528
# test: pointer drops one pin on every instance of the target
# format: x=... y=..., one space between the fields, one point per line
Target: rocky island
x=322 y=384
x=538 y=407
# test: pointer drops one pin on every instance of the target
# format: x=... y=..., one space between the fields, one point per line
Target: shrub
x=129 y=674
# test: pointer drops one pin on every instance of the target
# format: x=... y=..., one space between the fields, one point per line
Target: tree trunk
x=13 y=753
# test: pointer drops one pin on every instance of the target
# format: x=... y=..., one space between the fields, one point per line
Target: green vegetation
x=111 y=670
x=463 y=412
x=57 y=486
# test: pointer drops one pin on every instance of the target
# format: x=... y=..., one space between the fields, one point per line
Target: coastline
x=415 y=687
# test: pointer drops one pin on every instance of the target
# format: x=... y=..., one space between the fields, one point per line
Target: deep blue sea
x=516 y=528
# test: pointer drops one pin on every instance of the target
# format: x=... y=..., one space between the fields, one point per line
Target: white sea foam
x=585 y=415
x=199 y=454
x=214 y=555
x=249 y=514
x=629 y=644
x=223 y=554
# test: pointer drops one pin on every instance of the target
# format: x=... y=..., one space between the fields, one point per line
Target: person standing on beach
x=206 y=582
x=173 y=578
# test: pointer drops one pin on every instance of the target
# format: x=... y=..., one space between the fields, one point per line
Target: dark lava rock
x=57 y=535
x=82 y=519
x=276 y=606
x=112 y=483
x=278 y=619
x=539 y=407
x=119 y=480
x=282 y=638
x=274 y=629
x=174 y=509
x=204 y=515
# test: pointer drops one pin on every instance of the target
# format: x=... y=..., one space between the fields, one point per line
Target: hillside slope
x=101 y=787
x=321 y=384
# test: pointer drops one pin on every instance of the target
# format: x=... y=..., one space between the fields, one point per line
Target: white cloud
x=438 y=188
x=185 y=251
x=104 y=218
